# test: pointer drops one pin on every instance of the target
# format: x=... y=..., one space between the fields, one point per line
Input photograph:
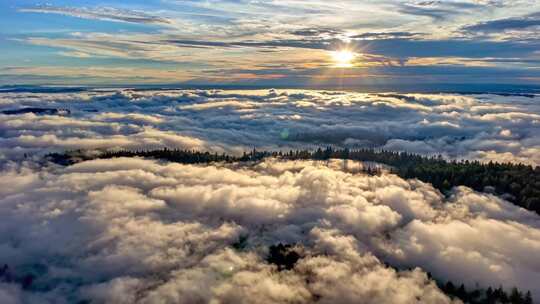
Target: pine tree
x=528 y=298
x=515 y=296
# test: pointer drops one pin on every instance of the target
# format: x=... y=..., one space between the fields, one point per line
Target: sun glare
x=343 y=58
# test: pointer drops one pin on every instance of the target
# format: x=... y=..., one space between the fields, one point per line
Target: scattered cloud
x=195 y=37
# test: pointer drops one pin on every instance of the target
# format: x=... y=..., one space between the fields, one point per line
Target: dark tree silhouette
x=283 y=256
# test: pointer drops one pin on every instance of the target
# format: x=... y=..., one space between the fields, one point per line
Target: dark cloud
x=386 y=35
x=316 y=32
x=397 y=44
x=501 y=25
x=462 y=48
x=297 y=43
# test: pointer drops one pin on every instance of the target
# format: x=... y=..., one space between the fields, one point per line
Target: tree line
x=486 y=296
x=517 y=183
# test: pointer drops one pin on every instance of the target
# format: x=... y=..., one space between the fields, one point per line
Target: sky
x=287 y=43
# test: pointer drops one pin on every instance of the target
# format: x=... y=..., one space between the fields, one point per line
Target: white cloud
x=485 y=127
x=134 y=230
x=101 y=13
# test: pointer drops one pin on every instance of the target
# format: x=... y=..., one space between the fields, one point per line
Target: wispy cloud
x=100 y=13
x=438 y=10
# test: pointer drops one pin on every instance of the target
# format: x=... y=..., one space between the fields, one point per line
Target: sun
x=343 y=58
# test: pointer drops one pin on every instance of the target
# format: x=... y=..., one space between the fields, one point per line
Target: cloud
x=438 y=10
x=484 y=127
x=386 y=35
x=196 y=37
x=398 y=57
x=95 y=75
x=318 y=33
x=508 y=24
x=100 y=13
x=493 y=232
x=134 y=230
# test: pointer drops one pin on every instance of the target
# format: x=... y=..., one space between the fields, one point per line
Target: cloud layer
x=133 y=230
x=484 y=127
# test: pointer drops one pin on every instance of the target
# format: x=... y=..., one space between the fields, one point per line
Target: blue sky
x=270 y=43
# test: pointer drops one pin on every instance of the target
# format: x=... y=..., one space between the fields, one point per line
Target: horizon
x=466 y=89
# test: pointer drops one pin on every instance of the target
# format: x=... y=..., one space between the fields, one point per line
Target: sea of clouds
x=485 y=127
x=133 y=230
x=144 y=231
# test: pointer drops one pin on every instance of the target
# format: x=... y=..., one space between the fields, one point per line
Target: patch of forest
x=517 y=183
